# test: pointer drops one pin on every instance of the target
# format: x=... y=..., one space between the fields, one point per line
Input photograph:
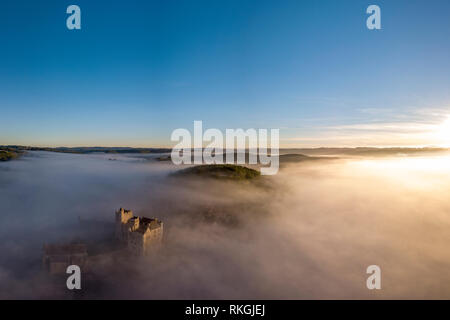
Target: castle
x=141 y=234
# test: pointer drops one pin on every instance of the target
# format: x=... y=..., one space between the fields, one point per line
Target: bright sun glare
x=443 y=132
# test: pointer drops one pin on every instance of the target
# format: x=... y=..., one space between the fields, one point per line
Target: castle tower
x=142 y=235
x=122 y=218
x=147 y=238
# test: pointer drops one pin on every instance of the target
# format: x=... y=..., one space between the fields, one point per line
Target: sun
x=443 y=132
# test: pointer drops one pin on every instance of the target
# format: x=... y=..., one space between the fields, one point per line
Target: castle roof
x=148 y=224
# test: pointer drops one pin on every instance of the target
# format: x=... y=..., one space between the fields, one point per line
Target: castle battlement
x=141 y=234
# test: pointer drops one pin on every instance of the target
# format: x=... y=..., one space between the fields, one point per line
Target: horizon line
x=170 y=148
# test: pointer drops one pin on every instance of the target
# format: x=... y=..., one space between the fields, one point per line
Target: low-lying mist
x=308 y=232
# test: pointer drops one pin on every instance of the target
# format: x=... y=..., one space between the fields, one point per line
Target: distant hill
x=366 y=151
x=85 y=150
x=287 y=155
x=295 y=158
x=220 y=171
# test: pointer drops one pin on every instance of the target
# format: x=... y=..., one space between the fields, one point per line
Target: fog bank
x=308 y=232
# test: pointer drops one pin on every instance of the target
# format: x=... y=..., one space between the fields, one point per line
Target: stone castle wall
x=141 y=235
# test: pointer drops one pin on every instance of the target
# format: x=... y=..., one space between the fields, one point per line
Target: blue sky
x=137 y=70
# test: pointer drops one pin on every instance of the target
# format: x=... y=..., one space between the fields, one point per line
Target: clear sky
x=137 y=70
